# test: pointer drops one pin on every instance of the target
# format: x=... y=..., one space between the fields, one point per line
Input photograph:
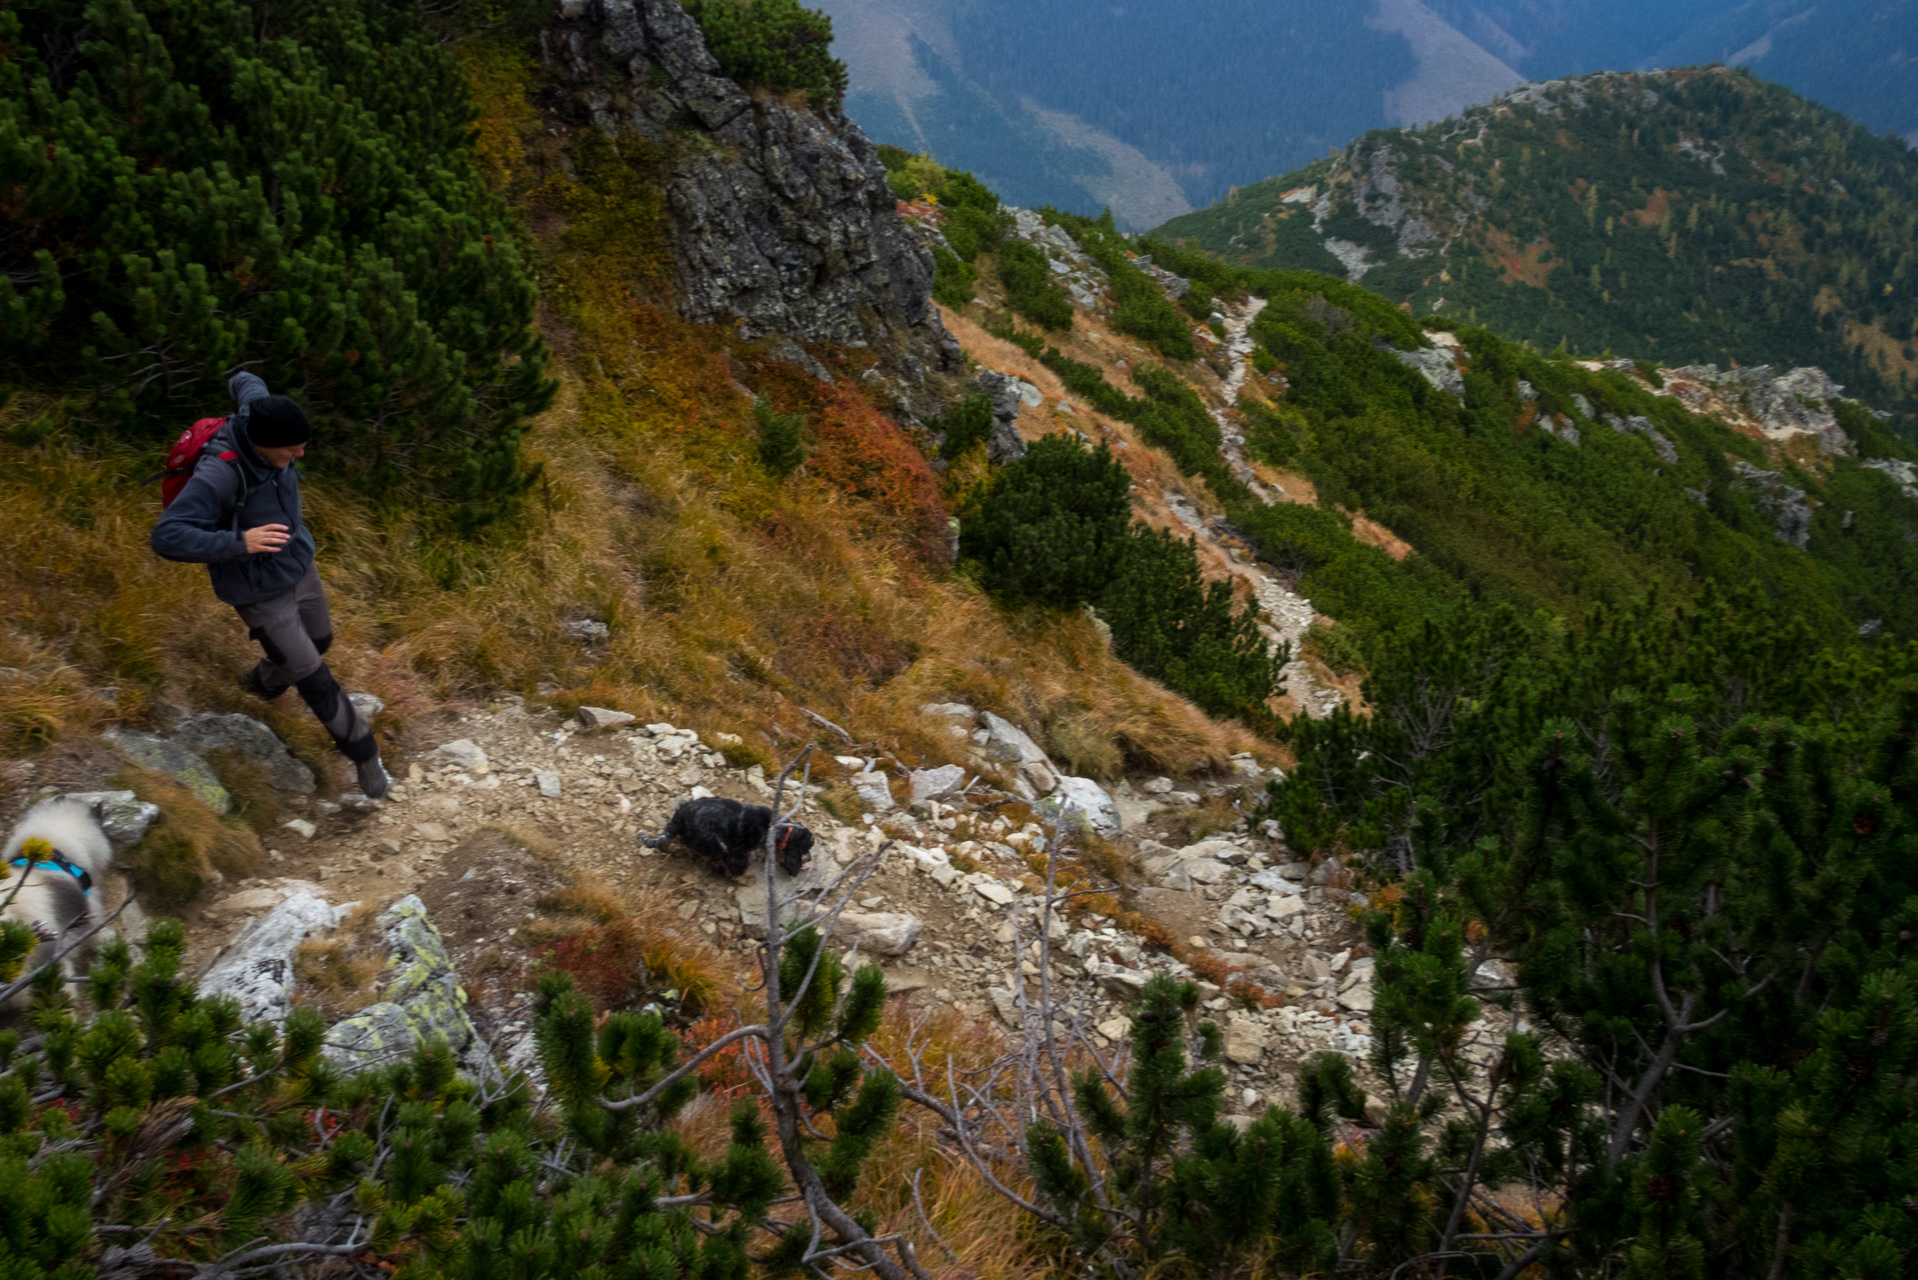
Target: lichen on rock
x=421 y=1000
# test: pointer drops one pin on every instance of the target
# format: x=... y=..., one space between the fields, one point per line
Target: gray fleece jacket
x=223 y=499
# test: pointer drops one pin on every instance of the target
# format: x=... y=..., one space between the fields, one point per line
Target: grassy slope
x=1607 y=226
x=1499 y=511
x=733 y=599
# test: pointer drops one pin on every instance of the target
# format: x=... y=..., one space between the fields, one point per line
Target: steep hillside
x=1288 y=788
x=1391 y=472
x=644 y=555
x=1682 y=217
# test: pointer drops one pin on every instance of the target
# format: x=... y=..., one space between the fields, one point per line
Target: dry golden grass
x=339 y=973
x=1207 y=818
x=255 y=801
x=188 y=847
x=733 y=599
x=618 y=951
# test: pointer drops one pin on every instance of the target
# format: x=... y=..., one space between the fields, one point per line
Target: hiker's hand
x=266 y=538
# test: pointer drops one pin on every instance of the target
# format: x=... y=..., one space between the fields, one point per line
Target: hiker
x=239 y=514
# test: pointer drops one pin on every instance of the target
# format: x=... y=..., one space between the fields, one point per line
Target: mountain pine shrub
x=774 y=44
x=202 y=185
x=1686 y=838
x=782 y=444
x=965 y=426
x=1050 y=527
x=953 y=278
x=1170 y=1183
x=1143 y=310
x=1055 y=529
x=1184 y=632
x=1029 y=288
x=160 y=1136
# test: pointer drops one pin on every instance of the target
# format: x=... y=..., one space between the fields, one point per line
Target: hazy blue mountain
x=1855 y=56
x=1155 y=107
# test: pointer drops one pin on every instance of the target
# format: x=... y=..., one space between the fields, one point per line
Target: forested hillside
x=1683 y=217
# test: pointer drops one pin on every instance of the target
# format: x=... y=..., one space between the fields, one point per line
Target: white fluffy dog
x=54 y=857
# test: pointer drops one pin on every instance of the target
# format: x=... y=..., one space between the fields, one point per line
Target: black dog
x=730 y=835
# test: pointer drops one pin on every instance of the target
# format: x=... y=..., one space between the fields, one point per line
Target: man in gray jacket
x=239 y=515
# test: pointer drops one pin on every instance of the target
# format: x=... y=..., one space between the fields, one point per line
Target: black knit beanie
x=274 y=422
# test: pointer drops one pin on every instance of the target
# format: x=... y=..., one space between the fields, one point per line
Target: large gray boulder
x=421 y=1000
x=178 y=763
x=935 y=784
x=250 y=740
x=879 y=933
x=1005 y=444
x=1639 y=425
x=872 y=788
x=1007 y=741
x=1081 y=800
x=796 y=895
x=121 y=814
x=1437 y=366
x=257 y=969
x=780 y=216
x=1788 y=506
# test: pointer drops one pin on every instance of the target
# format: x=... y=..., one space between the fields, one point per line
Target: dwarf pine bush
x=160 y=1135
x=778 y=44
x=1056 y=529
x=200 y=185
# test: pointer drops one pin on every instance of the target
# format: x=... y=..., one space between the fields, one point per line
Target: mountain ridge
x=1229 y=91
x=1690 y=216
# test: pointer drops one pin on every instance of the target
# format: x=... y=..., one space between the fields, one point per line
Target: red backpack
x=184 y=456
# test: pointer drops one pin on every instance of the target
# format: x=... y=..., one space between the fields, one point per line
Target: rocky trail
x=1029 y=403
x=1288 y=615
x=451 y=883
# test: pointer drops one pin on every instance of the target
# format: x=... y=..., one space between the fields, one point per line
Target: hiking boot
x=373 y=779
x=251 y=683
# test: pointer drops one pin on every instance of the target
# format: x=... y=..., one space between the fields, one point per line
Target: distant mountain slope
x=1684 y=217
x=1145 y=105
x=1141 y=105
x=1857 y=56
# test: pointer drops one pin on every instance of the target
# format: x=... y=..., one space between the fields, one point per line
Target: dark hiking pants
x=294 y=630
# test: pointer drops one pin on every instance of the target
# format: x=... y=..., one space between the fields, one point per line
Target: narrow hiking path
x=1288 y=613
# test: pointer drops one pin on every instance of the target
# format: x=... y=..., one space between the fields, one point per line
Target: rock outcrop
x=1779 y=406
x=1009 y=395
x=1788 y=506
x=421 y=1000
x=257 y=970
x=250 y=740
x=781 y=217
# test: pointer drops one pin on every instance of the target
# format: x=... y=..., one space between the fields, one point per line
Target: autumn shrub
x=627 y=963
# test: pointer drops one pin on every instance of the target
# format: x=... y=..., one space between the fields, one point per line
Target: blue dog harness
x=59 y=863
